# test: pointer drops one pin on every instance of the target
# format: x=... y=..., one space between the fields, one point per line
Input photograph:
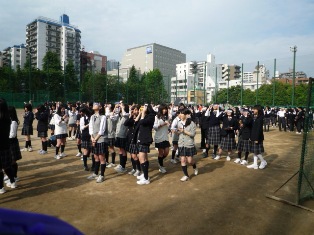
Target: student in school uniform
x=132 y=124
x=186 y=131
x=175 y=137
x=99 y=138
x=72 y=113
x=60 y=120
x=112 y=120
x=244 y=133
x=78 y=136
x=204 y=125
x=27 y=129
x=121 y=137
x=257 y=138
x=85 y=136
x=5 y=153
x=299 y=119
x=42 y=116
x=51 y=120
x=144 y=140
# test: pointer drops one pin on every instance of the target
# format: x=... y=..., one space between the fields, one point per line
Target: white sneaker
x=184 y=178
x=132 y=172
x=228 y=158
x=253 y=166
x=11 y=185
x=120 y=169
x=16 y=179
x=100 y=179
x=58 y=157
x=238 y=160
x=162 y=169
x=78 y=154
x=2 y=191
x=137 y=173
x=5 y=178
x=217 y=157
x=110 y=165
x=69 y=138
x=92 y=176
x=39 y=151
x=263 y=165
x=24 y=150
x=82 y=158
x=195 y=171
x=143 y=181
x=244 y=162
x=173 y=161
x=43 y=152
x=140 y=177
x=63 y=154
x=30 y=149
x=177 y=152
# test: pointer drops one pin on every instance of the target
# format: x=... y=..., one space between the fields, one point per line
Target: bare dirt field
x=225 y=198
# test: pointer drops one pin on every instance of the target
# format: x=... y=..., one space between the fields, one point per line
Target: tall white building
x=13 y=56
x=183 y=84
x=43 y=35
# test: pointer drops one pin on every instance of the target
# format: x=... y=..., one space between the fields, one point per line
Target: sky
x=241 y=31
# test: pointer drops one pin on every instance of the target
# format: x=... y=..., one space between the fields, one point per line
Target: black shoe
x=86 y=168
x=205 y=155
x=213 y=156
x=92 y=169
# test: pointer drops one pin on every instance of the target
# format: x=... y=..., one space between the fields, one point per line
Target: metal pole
x=228 y=71
x=48 y=85
x=186 y=87
x=169 y=88
x=216 y=88
x=204 y=84
x=64 y=82
x=118 y=81
x=127 y=87
x=137 y=84
x=29 y=75
x=176 y=86
x=106 y=89
x=194 y=88
x=274 y=81
x=242 y=86
x=294 y=50
x=257 y=82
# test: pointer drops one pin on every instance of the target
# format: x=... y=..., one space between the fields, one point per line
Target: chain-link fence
x=306 y=172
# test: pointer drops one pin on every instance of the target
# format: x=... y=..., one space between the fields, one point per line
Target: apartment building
x=14 y=56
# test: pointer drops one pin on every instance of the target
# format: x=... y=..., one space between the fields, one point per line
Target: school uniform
x=72 y=118
x=85 y=136
x=244 y=143
x=144 y=136
x=131 y=146
x=78 y=134
x=174 y=126
x=14 y=143
x=60 y=127
x=257 y=135
x=299 y=119
x=5 y=153
x=229 y=125
x=161 y=138
x=97 y=126
x=204 y=123
x=121 y=132
x=112 y=121
x=28 y=123
x=214 y=137
x=42 y=125
x=186 y=144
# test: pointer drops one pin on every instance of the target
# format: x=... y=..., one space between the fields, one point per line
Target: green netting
x=306 y=172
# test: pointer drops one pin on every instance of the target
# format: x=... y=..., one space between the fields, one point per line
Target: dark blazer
x=245 y=131
x=204 y=122
x=4 y=134
x=28 y=119
x=229 y=126
x=85 y=133
x=257 y=129
x=132 y=130
x=144 y=128
x=42 y=118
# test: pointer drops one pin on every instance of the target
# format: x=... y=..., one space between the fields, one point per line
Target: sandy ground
x=225 y=198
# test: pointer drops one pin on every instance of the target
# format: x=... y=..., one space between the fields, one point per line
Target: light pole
x=216 y=85
x=274 y=84
x=118 y=86
x=242 y=85
x=257 y=75
x=204 y=83
x=176 y=86
x=29 y=74
x=93 y=74
x=228 y=75
x=137 y=84
x=186 y=87
x=64 y=91
x=294 y=50
x=194 y=71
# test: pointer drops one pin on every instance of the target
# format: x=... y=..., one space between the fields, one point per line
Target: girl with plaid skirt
x=99 y=138
x=5 y=153
x=85 y=136
x=78 y=135
x=27 y=129
x=112 y=119
x=186 y=131
x=213 y=137
x=229 y=126
x=161 y=125
x=72 y=112
x=121 y=134
x=42 y=116
x=244 y=132
x=175 y=137
x=132 y=124
x=144 y=140
x=257 y=138
x=51 y=120
x=60 y=120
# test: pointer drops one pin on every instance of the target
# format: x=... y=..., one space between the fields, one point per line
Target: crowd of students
x=100 y=128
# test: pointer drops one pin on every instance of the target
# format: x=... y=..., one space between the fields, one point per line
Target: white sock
x=255 y=160
x=261 y=157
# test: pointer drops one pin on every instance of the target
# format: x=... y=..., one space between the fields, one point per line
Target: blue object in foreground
x=26 y=223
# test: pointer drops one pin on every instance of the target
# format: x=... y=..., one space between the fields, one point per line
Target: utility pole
x=118 y=85
x=257 y=82
x=186 y=87
x=204 y=83
x=274 y=81
x=294 y=50
x=242 y=85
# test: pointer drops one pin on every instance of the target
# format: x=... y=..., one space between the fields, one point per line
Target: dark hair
x=4 y=112
x=160 y=109
x=59 y=110
x=259 y=109
x=41 y=108
x=187 y=112
x=85 y=111
x=135 y=106
x=111 y=107
x=13 y=114
x=28 y=107
x=150 y=109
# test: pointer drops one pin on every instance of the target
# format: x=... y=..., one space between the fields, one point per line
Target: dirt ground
x=225 y=198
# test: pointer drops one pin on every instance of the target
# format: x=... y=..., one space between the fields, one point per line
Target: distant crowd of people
x=99 y=129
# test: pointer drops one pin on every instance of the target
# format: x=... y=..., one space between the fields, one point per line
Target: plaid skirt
x=227 y=143
x=120 y=143
x=175 y=142
x=267 y=121
x=162 y=145
x=5 y=159
x=133 y=149
x=143 y=148
x=86 y=144
x=244 y=145
x=188 y=152
x=61 y=136
x=100 y=148
x=257 y=148
x=52 y=127
x=78 y=134
x=15 y=149
x=27 y=130
x=213 y=137
x=42 y=134
x=72 y=125
x=111 y=141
